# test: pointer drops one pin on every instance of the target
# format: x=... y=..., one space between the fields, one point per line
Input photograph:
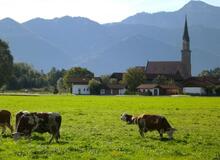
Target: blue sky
x=102 y=11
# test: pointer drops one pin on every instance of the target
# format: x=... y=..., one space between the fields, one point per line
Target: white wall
x=122 y=91
x=80 y=89
x=194 y=90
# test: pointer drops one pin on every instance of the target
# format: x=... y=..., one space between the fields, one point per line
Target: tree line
x=18 y=76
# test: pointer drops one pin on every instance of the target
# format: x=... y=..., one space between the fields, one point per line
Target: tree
x=76 y=72
x=133 y=78
x=94 y=87
x=6 y=63
x=211 y=73
x=53 y=75
x=60 y=85
x=160 y=79
x=113 y=81
x=105 y=80
x=25 y=76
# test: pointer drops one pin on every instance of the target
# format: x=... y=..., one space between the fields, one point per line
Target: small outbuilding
x=113 y=89
x=158 y=89
x=200 y=85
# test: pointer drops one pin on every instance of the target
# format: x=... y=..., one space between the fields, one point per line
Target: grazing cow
x=28 y=122
x=150 y=123
x=5 y=118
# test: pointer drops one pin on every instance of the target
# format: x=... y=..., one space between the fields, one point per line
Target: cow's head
x=25 y=125
x=127 y=118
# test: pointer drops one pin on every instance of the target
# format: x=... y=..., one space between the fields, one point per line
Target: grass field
x=92 y=129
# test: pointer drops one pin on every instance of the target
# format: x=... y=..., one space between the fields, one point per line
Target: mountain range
x=114 y=47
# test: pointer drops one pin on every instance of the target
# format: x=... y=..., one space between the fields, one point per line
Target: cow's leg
x=57 y=137
x=10 y=127
x=141 y=129
x=51 y=139
x=161 y=134
x=3 y=129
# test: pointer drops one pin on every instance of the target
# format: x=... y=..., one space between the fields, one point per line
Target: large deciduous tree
x=6 y=62
x=133 y=78
x=211 y=73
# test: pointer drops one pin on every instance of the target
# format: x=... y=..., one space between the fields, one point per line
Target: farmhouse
x=159 y=89
x=200 y=85
x=80 y=85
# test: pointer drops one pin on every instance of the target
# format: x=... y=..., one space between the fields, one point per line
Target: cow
x=148 y=122
x=41 y=122
x=5 y=120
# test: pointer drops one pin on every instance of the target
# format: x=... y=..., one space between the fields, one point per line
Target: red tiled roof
x=151 y=86
x=147 y=86
x=169 y=86
x=200 y=82
x=80 y=80
x=164 y=67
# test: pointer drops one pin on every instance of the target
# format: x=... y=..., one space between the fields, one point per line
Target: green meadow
x=91 y=128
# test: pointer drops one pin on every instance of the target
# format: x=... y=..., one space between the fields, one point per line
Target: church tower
x=186 y=53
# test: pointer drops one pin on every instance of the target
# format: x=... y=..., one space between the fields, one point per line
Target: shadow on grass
x=54 y=142
x=164 y=139
x=38 y=138
x=6 y=136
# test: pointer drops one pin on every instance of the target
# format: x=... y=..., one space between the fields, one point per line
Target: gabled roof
x=200 y=82
x=169 y=86
x=176 y=77
x=80 y=80
x=163 y=86
x=147 y=86
x=164 y=67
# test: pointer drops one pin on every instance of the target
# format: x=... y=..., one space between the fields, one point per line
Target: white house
x=80 y=86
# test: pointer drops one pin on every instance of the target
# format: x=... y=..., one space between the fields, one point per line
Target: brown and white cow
x=5 y=120
x=147 y=122
x=28 y=122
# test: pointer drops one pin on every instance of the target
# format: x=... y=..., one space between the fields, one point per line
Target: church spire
x=186 y=52
x=186 y=33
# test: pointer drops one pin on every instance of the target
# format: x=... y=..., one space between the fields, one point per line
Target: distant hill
x=77 y=41
x=198 y=12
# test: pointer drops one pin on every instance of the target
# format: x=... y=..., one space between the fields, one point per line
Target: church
x=177 y=70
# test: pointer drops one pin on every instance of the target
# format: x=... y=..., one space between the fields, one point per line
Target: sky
x=102 y=11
